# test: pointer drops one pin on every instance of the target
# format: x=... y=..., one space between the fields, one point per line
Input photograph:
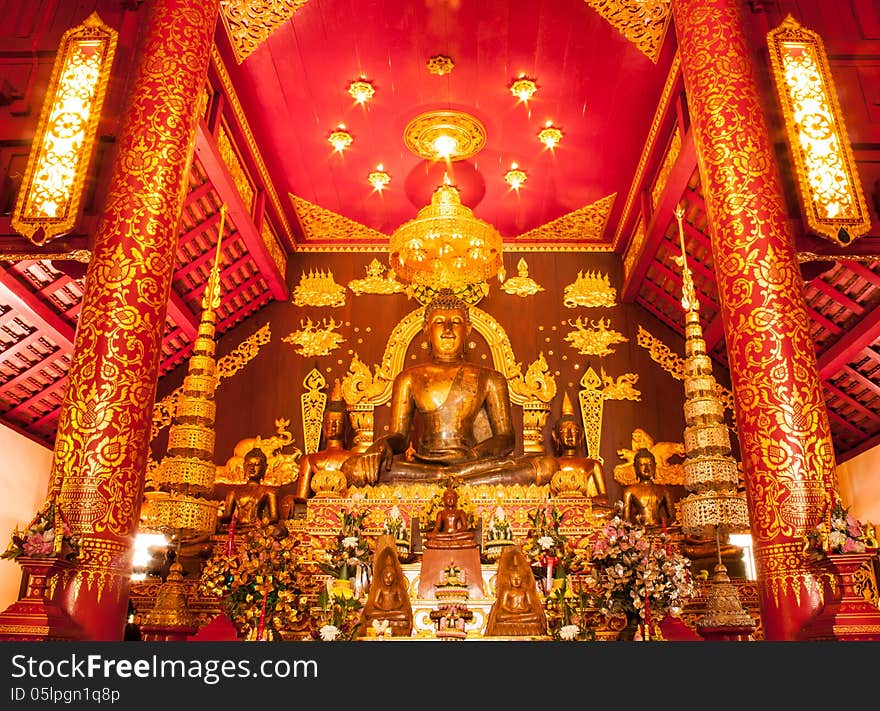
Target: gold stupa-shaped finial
x=567 y=407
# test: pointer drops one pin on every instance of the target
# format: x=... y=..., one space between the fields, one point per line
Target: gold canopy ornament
x=445 y=245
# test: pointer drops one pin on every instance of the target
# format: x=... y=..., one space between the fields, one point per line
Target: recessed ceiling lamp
x=361 y=90
x=379 y=178
x=550 y=136
x=340 y=139
x=447 y=135
x=523 y=88
x=440 y=65
x=515 y=177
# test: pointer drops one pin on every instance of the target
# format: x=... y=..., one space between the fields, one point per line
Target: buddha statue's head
x=644 y=464
x=567 y=432
x=447 y=324
x=333 y=427
x=254 y=465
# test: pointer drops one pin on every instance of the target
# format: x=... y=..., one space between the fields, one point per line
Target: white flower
x=381 y=627
x=568 y=632
x=329 y=633
x=394 y=514
x=499 y=514
x=350 y=542
x=546 y=542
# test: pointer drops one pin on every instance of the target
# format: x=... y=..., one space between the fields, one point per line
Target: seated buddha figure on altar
x=517 y=610
x=252 y=501
x=451 y=526
x=388 y=599
x=577 y=475
x=646 y=502
x=448 y=394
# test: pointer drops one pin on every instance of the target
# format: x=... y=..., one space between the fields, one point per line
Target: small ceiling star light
x=379 y=179
x=340 y=139
x=550 y=136
x=515 y=177
x=440 y=65
x=523 y=88
x=361 y=90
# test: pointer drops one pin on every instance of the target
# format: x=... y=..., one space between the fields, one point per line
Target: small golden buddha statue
x=517 y=610
x=577 y=475
x=252 y=501
x=448 y=395
x=645 y=502
x=388 y=598
x=451 y=527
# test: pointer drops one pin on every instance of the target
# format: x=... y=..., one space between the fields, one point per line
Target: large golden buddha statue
x=449 y=395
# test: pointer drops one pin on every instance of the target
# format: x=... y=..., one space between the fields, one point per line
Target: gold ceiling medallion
x=440 y=65
x=594 y=337
x=315 y=341
x=643 y=23
x=828 y=182
x=515 y=177
x=445 y=245
x=51 y=190
x=320 y=224
x=376 y=282
x=248 y=24
x=318 y=288
x=522 y=284
x=445 y=135
x=586 y=224
x=589 y=289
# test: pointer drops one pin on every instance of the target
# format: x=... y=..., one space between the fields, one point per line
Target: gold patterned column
x=783 y=425
x=104 y=428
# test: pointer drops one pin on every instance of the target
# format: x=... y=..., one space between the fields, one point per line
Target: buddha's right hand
x=360 y=469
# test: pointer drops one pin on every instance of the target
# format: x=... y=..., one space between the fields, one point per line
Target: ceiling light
x=445 y=146
x=361 y=90
x=523 y=88
x=340 y=139
x=515 y=177
x=550 y=136
x=440 y=64
x=379 y=178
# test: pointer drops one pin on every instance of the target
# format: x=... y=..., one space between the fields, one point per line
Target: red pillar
x=784 y=434
x=104 y=429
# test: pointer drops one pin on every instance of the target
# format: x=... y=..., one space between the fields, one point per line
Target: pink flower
x=37 y=545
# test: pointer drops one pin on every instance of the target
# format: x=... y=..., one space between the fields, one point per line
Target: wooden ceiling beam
x=851 y=401
x=224 y=275
x=197 y=193
x=867 y=382
x=859 y=269
x=209 y=156
x=182 y=316
x=845 y=349
x=867 y=444
x=841 y=299
x=20 y=297
x=48 y=391
x=824 y=321
x=846 y=424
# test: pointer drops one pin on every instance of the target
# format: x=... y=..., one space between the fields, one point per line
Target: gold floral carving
x=537 y=384
x=325 y=225
x=634 y=249
x=248 y=23
x=359 y=384
x=282 y=466
x=597 y=389
x=376 y=282
x=231 y=159
x=593 y=337
x=522 y=284
x=315 y=341
x=586 y=224
x=276 y=252
x=589 y=289
x=642 y=22
x=244 y=127
x=227 y=366
x=672 y=153
x=666 y=473
x=52 y=186
x=75 y=255
x=318 y=288
x=829 y=185
x=440 y=65
x=312 y=402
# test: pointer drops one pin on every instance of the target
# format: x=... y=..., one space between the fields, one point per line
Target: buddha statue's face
x=450 y=498
x=254 y=466
x=334 y=422
x=569 y=434
x=388 y=575
x=447 y=330
x=644 y=467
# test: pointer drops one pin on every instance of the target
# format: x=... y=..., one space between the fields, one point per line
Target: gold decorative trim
x=813 y=257
x=314 y=341
x=781 y=566
x=76 y=255
x=673 y=150
x=232 y=98
x=51 y=190
x=586 y=224
x=642 y=22
x=248 y=23
x=467 y=131
x=827 y=176
x=318 y=223
x=229 y=154
x=273 y=246
x=312 y=403
x=634 y=248
x=318 y=288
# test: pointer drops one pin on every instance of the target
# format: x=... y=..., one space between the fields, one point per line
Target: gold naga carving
x=642 y=22
x=318 y=288
x=596 y=390
x=589 y=289
x=586 y=224
x=593 y=337
x=282 y=466
x=248 y=23
x=312 y=402
x=313 y=340
x=667 y=473
x=376 y=281
x=522 y=284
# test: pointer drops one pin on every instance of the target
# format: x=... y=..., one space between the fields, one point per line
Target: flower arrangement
x=569 y=616
x=350 y=549
x=549 y=551
x=499 y=527
x=48 y=535
x=839 y=532
x=394 y=525
x=338 y=618
x=636 y=574
x=258 y=580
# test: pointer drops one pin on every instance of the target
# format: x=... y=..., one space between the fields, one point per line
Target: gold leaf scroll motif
x=318 y=288
x=313 y=401
x=537 y=384
x=589 y=289
x=376 y=282
x=359 y=383
x=593 y=337
x=315 y=341
x=586 y=224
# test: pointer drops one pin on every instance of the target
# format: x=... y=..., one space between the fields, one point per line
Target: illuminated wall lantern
x=828 y=183
x=51 y=191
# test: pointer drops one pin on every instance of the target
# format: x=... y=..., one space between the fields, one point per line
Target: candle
x=261 y=624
